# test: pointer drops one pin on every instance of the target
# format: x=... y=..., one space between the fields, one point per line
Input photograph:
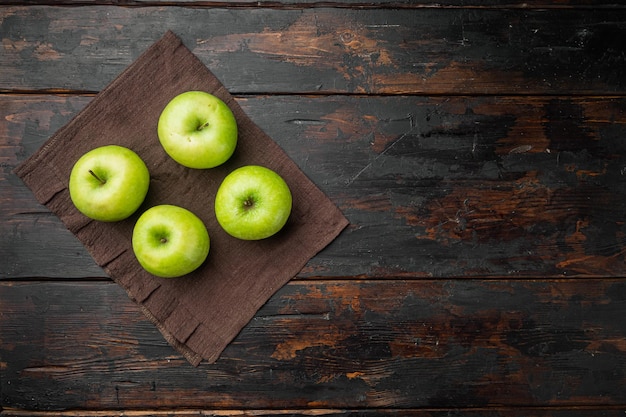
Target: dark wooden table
x=478 y=150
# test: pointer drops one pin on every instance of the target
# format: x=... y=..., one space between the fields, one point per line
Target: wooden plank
x=439 y=187
x=326 y=50
x=34 y=242
x=404 y=4
x=327 y=345
x=389 y=412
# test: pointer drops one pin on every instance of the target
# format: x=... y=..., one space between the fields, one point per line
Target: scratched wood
x=480 y=412
x=463 y=139
x=326 y=344
x=425 y=50
x=404 y=4
x=440 y=187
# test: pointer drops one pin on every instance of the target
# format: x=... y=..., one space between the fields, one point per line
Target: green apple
x=170 y=241
x=198 y=130
x=252 y=203
x=109 y=183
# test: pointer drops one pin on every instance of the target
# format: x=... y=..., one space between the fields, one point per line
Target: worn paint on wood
x=327 y=50
x=396 y=4
x=453 y=186
x=333 y=344
x=463 y=139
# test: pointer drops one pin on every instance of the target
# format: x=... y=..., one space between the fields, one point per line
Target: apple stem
x=248 y=203
x=202 y=126
x=163 y=240
x=97 y=177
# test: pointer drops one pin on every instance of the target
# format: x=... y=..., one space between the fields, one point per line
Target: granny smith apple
x=170 y=241
x=198 y=130
x=109 y=183
x=253 y=202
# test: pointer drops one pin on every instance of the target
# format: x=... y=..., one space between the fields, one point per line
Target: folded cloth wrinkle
x=182 y=323
x=201 y=313
x=45 y=191
x=191 y=353
x=59 y=203
x=139 y=288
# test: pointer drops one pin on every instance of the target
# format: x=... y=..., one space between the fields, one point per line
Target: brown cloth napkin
x=201 y=313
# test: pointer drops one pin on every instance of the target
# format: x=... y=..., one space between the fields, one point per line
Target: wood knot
x=347 y=37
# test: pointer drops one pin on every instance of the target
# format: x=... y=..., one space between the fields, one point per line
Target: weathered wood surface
x=433 y=187
x=398 y=4
x=462 y=139
x=326 y=344
x=327 y=50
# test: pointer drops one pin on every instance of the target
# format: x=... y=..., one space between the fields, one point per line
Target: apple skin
x=198 y=130
x=252 y=203
x=109 y=183
x=170 y=241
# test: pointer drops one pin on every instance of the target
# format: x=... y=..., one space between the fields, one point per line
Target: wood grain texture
x=398 y=4
x=332 y=344
x=326 y=50
x=433 y=187
x=477 y=148
x=589 y=411
x=31 y=236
